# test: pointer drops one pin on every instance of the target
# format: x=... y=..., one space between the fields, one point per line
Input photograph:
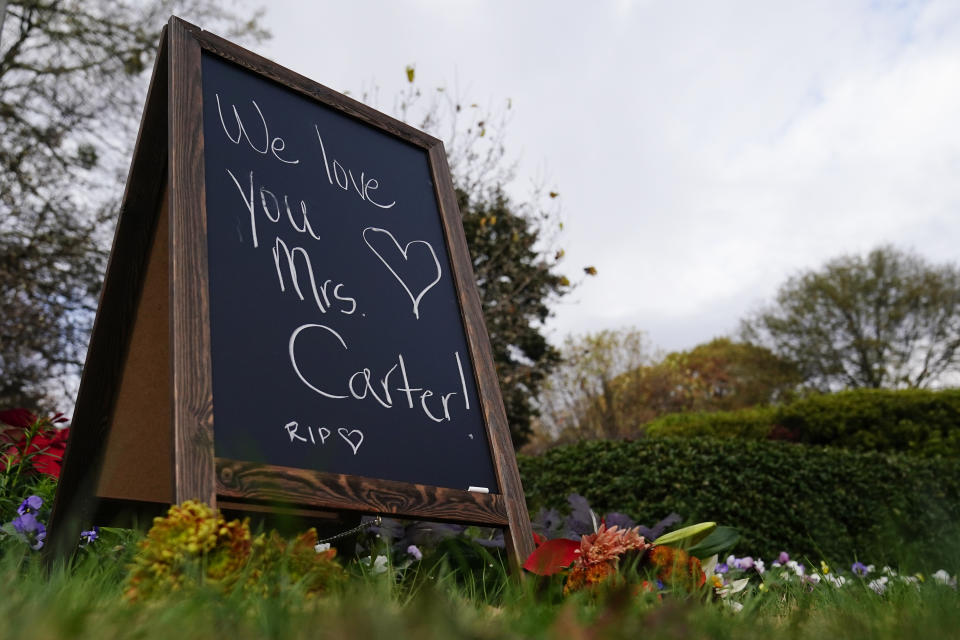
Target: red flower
x=594 y=558
x=20 y=418
x=44 y=450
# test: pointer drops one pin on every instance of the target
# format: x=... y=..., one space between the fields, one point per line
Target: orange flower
x=600 y=554
x=588 y=576
x=609 y=544
x=676 y=567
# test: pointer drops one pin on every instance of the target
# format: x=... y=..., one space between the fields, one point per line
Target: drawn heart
x=396 y=261
x=346 y=436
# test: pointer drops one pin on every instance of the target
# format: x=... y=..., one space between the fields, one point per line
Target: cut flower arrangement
x=614 y=555
x=686 y=561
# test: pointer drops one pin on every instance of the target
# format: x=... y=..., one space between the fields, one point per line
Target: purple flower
x=783 y=558
x=27 y=524
x=721 y=568
x=415 y=552
x=745 y=563
x=41 y=536
x=86 y=537
x=30 y=505
x=859 y=568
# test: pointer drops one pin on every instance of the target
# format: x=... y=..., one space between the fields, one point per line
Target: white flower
x=914 y=580
x=321 y=547
x=736 y=606
x=709 y=565
x=813 y=578
x=889 y=571
x=732 y=561
x=379 y=564
x=734 y=587
x=879 y=585
x=759 y=566
x=942 y=577
x=834 y=579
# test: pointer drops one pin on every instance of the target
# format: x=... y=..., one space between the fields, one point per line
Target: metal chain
x=350 y=532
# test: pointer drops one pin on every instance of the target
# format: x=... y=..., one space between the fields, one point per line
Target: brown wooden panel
x=75 y=504
x=138 y=461
x=520 y=534
x=192 y=394
x=252 y=481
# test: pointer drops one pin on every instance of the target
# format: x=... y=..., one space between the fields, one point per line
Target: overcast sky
x=704 y=151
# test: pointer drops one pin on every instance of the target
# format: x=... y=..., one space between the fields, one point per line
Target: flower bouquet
x=614 y=555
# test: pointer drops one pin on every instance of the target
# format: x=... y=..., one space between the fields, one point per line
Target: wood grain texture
x=238 y=480
x=191 y=386
x=519 y=534
x=76 y=503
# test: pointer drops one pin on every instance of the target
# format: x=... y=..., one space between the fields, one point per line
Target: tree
x=584 y=397
x=515 y=285
x=887 y=320
x=512 y=244
x=72 y=79
x=609 y=387
x=720 y=375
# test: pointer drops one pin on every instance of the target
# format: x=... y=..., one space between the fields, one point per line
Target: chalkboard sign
x=336 y=335
x=294 y=305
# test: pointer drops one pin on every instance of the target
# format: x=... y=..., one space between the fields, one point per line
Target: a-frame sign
x=289 y=315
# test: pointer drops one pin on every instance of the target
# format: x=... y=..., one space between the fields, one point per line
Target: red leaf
x=552 y=556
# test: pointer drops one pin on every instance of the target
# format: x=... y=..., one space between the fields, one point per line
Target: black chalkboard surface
x=337 y=341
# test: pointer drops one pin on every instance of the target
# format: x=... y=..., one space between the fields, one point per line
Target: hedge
x=755 y=423
x=815 y=501
x=917 y=421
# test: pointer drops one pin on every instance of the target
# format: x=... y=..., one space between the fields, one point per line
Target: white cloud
x=704 y=151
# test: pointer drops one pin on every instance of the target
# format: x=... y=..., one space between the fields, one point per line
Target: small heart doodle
x=346 y=435
x=396 y=261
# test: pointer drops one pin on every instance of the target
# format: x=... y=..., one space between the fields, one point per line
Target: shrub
x=753 y=424
x=816 y=501
x=916 y=421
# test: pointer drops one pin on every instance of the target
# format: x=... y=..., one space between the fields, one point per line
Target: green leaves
x=915 y=421
x=687 y=536
x=720 y=540
x=808 y=500
x=867 y=321
x=516 y=286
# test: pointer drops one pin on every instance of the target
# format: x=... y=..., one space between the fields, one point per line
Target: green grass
x=436 y=601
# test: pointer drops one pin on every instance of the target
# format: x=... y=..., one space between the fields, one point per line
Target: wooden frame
x=168 y=166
